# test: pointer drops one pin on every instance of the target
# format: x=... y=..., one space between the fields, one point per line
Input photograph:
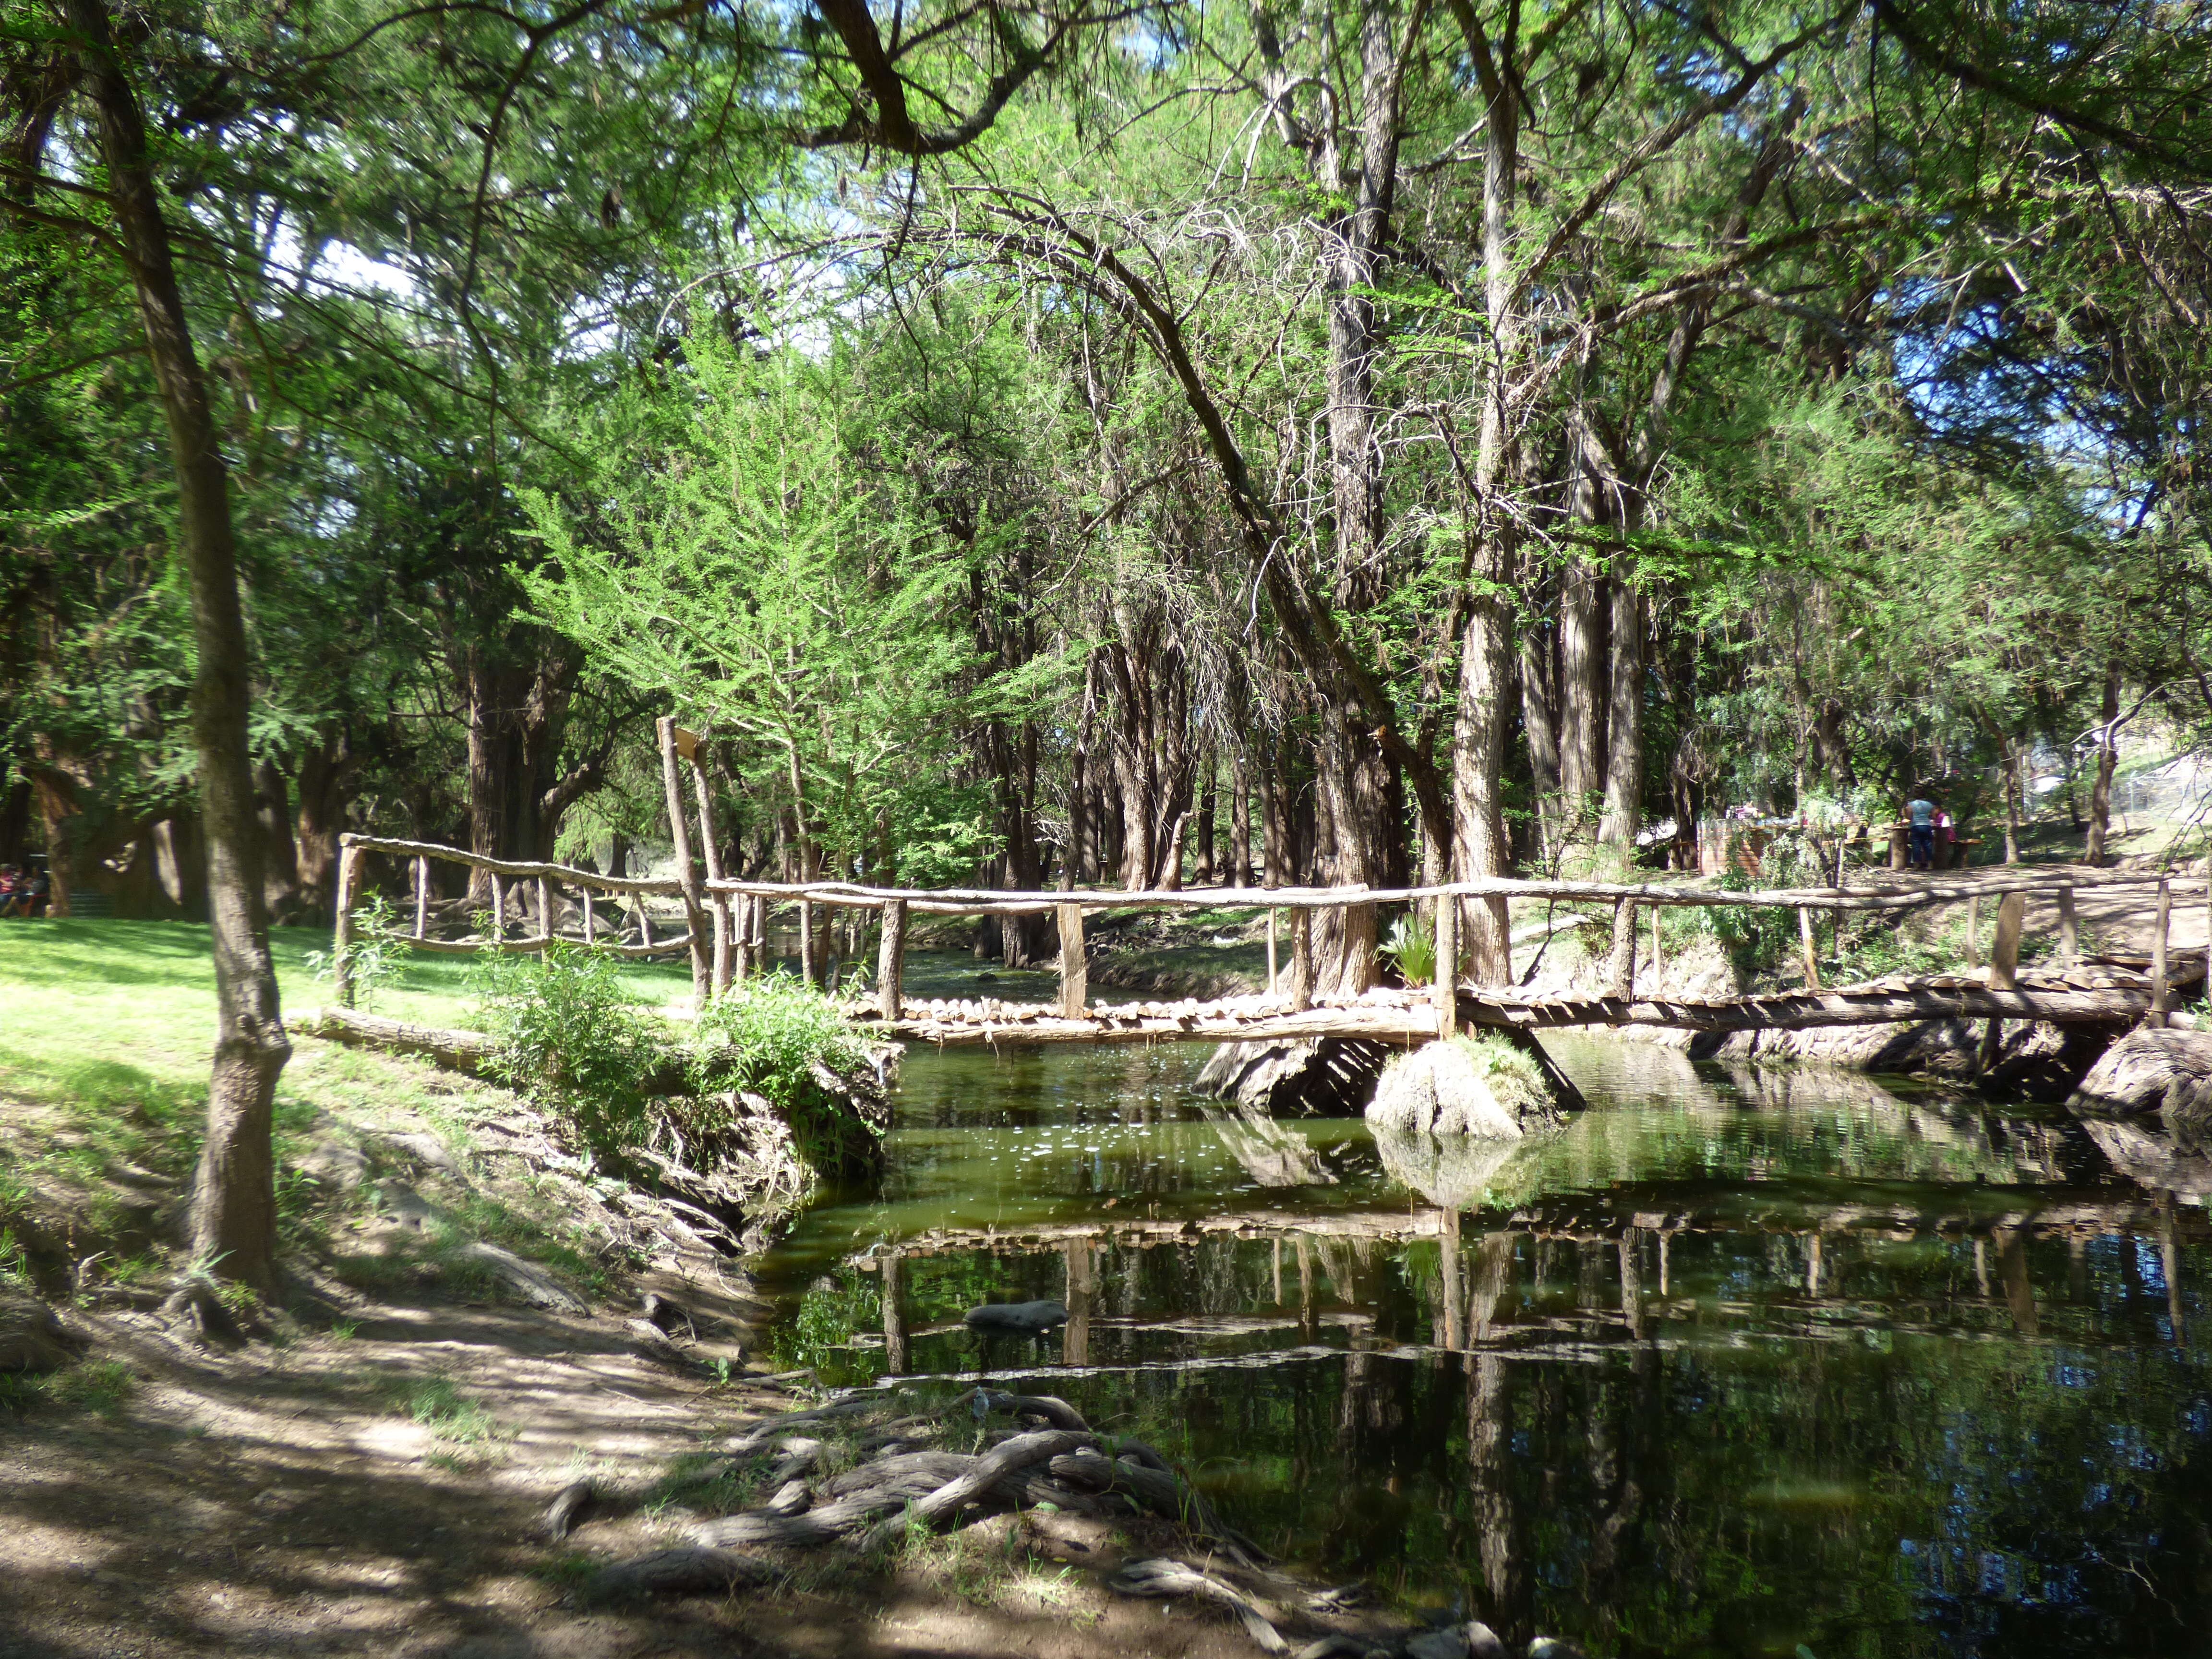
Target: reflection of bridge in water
x=1995 y=1186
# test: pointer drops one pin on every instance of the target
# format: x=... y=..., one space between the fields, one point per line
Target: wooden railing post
x=341 y=928
x=1659 y=949
x=2004 y=970
x=1810 y=947
x=1447 y=980
x=546 y=909
x=498 y=909
x=2160 y=1001
x=2069 y=927
x=710 y=848
x=694 y=909
x=1624 y=949
x=890 y=959
x=1301 y=957
x=421 y=897
x=1270 y=953
x=591 y=932
x=1074 y=972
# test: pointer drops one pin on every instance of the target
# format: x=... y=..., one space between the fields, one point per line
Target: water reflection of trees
x=1749 y=1359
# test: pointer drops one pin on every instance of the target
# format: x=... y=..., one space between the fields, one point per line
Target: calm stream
x=1737 y=1363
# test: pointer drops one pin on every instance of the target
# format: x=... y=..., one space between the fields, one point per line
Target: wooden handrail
x=568 y=872
x=983 y=901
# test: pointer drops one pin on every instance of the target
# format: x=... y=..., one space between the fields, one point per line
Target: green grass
x=465 y=1433
x=104 y=1068
x=101 y=1387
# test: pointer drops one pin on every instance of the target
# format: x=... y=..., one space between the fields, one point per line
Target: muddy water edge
x=1741 y=1362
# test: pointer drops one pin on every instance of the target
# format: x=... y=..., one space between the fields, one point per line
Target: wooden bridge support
x=687 y=878
x=2160 y=998
x=1446 y=988
x=1074 y=972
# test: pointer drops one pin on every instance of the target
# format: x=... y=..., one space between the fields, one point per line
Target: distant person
x=34 y=893
x=1947 y=837
x=10 y=889
x=1920 y=833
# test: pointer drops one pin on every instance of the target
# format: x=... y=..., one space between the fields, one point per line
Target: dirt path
x=2125 y=919
x=379 y=1493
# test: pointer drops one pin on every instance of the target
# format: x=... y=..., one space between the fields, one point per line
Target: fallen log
x=457 y=1051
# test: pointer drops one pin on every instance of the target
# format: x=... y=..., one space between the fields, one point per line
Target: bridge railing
x=737 y=909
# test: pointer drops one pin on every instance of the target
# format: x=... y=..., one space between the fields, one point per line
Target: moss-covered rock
x=1465 y=1086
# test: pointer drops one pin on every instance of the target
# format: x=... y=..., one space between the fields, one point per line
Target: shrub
x=565 y=1033
x=374 y=959
x=787 y=1042
x=1413 y=947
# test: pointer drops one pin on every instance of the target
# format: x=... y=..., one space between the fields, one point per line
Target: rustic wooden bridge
x=726 y=939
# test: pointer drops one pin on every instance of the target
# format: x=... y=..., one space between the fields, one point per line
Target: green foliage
x=745 y=556
x=1412 y=946
x=773 y=1036
x=102 y=1387
x=1758 y=938
x=568 y=1035
x=373 y=958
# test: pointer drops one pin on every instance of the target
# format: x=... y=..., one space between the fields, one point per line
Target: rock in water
x=1464 y=1086
x=1031 y=1318
x=2153 y=1071
x=31 y=1338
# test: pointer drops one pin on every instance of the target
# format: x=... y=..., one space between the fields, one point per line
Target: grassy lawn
x=106 y=1033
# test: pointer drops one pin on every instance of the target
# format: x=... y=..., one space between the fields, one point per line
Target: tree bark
x=234 y=1223
x=279 y=884
x=326 y=788
x=1539 y=724
x=1624 y=721
x=2108 y=760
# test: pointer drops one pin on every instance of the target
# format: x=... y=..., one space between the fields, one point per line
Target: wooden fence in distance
x=737 y=909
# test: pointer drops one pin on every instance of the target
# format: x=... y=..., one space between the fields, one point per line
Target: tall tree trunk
x=2108 y=760
x=233 y=1227
x=1208 y=769
x=1487 y=687
x=280 y=881
x=325 y=789
x=1624 y=721
x=488 y=697
x=1581 y=696
x=1240 y=817
x=1351 y=778
x=1538 y=724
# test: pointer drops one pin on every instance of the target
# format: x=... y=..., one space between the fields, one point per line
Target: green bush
x=770 y=1037
x=1413 y=947
x=566 y=1034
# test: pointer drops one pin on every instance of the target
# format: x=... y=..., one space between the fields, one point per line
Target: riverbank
x=473 y=1322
